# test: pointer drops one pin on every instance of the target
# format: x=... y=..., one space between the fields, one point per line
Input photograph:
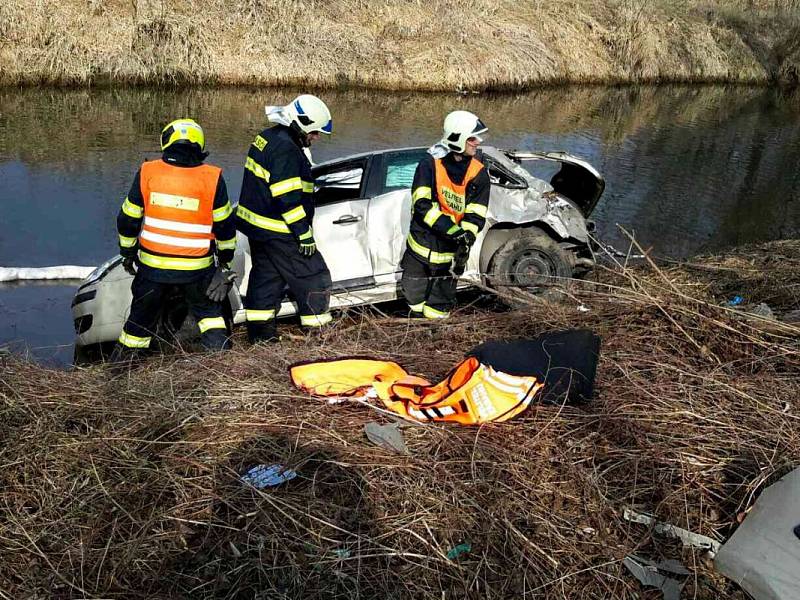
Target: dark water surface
x=688 y=169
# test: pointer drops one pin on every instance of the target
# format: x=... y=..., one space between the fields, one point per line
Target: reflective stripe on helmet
x=182 y=130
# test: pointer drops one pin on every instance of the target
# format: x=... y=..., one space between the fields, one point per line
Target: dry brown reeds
x=440 y=45
x=128 y=486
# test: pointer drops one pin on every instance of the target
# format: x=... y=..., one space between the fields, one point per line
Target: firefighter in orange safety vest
x=175 y=221
x=450 y=197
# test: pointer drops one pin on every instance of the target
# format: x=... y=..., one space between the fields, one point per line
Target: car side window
x=398 y=170
x=338 y=182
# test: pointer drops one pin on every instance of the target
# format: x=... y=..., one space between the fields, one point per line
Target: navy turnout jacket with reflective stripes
x=277 y=188
x=432 y=230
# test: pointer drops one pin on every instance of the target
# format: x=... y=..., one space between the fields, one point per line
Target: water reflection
x=688 y=168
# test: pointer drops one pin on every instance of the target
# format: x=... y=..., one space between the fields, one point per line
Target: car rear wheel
x=532 y=261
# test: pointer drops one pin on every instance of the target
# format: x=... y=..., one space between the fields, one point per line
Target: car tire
x=532 y=261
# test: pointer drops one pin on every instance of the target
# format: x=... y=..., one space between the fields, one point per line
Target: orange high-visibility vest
x=452 y=197
x=471 y=394
x=178 y=208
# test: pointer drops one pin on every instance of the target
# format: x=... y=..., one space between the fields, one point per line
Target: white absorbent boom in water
x=33 y=273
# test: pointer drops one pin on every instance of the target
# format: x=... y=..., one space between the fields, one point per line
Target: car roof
x=490 y=150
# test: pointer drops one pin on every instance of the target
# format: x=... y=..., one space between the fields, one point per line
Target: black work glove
x=308 y=247
x=220 y=284
x=460 y=260
x=129 y=264
x=464 y=238
x=224 y=257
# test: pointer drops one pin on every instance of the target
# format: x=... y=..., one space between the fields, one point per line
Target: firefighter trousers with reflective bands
x=148 y=303
x=277 y=263
x=430 y=290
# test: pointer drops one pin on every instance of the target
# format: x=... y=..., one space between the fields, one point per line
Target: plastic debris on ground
x=386 y=436
x=263 y=476
x=735 y=301
x=688 y=538
x=457 y=551
x=647 y=572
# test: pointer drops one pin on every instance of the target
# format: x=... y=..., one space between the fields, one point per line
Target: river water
x=688 y=169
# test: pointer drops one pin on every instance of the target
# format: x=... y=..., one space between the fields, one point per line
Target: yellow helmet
x=185 y=131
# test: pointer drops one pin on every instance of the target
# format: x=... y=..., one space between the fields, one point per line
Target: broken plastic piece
x=386 y=436
x=687 y=537
x=454 y=553
x=262 y=476
x=647 y=572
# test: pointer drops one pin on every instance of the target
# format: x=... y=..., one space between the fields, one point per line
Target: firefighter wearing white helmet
x=450 y=198
x=276 y=211
x=176 y=229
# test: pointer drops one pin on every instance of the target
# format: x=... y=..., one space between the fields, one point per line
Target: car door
x=340 y=223
x=390 y=209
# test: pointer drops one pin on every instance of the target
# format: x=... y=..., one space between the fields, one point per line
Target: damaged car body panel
x=534 y=229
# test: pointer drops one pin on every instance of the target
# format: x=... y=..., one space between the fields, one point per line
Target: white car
x=536 y=229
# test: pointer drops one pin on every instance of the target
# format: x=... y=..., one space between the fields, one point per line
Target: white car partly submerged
x=537 y=229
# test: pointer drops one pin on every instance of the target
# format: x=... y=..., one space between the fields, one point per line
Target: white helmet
x=310 y=114
x=459 y=126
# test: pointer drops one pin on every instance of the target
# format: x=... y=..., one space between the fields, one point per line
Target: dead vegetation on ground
x=128 y=486
x=438 y=45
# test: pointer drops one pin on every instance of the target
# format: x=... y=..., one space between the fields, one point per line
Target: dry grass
x=433 y=45
x=127 y=486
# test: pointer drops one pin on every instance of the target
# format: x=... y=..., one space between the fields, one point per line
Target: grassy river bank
x=127 y=486
x=434 y=45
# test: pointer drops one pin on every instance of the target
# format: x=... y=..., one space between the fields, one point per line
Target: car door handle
x=346 y=219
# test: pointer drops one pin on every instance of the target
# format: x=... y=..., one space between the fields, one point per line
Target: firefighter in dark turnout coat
x=275 y=212
x=450 y=198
